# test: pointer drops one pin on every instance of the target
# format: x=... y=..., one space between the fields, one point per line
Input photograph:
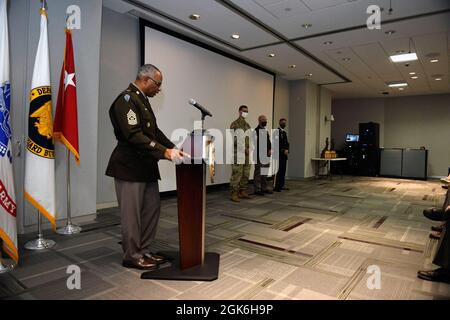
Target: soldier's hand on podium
x=175 y=155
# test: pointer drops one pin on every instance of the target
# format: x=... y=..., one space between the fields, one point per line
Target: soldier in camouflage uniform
x=241 y=162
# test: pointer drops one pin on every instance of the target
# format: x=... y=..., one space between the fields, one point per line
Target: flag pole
x=70 y=228
x=40 y=243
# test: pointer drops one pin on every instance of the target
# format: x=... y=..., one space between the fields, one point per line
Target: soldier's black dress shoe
x=285 y=188
x=277 y=190
x=143 y=263
x=159 y=259
x=268 y=191
x=434 y=214
x=437 y=229
x=438 y=275
x=435 y=235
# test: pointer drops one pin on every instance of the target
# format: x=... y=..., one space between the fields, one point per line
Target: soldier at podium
x=134 y=167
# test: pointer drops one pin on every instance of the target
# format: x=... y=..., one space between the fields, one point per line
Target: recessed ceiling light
x=397 y=84
x=328 y=42
x=307 y=25
x=434 y=60
x=271 y=55
x=308 y=75
x=346 y=59
x=438 y=78
x=235 y=36
x=194 y=16
x=292 y=66
x=412 y=73
x=404 y=57
x=390 y=32
x=401 y=89
x=415 y=77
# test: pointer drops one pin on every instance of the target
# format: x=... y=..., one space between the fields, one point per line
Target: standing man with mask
x=263 y=154
x=283 y=154
x=240 y=171
x=134 y=167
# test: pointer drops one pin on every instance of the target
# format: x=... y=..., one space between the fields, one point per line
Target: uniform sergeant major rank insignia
x=132 y=118
x=40 y=127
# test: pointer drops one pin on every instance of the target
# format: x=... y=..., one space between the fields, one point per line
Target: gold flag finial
x=43 y=9
x=43 y=5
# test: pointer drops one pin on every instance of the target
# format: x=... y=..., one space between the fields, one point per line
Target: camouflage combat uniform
x=240 y=172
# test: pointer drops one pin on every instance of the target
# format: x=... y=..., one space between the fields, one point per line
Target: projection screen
x=217 y=82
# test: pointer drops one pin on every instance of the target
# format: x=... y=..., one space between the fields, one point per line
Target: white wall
x=119 y=43
x=24 y=34
x=349 y=113
x=324 y=127
x=281 y=105
x=309 y=103
x=405 y=122
x=412 y=122
x=297 y=92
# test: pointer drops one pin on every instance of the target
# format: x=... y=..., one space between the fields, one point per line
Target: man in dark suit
x=283 y=157
x=134 y=167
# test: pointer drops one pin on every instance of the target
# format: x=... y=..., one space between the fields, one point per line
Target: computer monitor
x=352 y=137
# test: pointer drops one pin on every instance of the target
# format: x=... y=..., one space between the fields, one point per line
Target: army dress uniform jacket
x=141 y=144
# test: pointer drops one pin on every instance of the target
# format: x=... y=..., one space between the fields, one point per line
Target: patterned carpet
x=319 y=240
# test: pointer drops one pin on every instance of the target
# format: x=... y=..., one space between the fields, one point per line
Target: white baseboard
x=107 y=205
x=437 y=177
x=61 y=222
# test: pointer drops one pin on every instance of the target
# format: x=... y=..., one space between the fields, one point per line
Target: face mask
x=264 y=124
x=244 y=115
x=283 y=126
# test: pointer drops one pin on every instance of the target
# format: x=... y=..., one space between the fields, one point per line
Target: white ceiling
x=275 y=26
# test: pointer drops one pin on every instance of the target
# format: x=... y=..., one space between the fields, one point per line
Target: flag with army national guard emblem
x=40 y=158
x=8 y=225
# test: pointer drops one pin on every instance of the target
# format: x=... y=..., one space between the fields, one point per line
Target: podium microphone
x=203 y=110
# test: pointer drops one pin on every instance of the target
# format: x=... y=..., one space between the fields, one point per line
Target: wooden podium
x=191 y=263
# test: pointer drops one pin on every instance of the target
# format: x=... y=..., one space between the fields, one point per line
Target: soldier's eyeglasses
x=158 y=84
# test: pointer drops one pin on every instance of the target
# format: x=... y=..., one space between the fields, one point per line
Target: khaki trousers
x=140 y=208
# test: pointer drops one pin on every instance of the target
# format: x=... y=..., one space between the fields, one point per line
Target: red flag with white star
x=65 y=127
